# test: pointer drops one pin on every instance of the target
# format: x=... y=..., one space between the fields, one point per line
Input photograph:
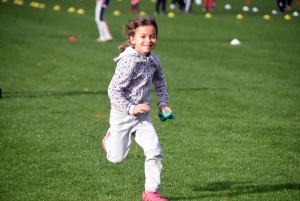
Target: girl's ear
x=132 y=40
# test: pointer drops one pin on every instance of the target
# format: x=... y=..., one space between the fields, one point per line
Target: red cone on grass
x=72 y=38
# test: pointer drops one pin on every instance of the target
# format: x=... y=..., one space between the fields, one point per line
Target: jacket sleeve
x=119 y=85
x=160 y=85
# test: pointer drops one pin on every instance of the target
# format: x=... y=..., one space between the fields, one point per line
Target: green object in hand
x=165 y=117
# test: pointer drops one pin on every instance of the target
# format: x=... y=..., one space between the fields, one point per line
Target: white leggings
x=99 y=12
x=122 y=128
x=188 y=5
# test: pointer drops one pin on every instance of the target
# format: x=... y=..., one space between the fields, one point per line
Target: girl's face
x=144 y=39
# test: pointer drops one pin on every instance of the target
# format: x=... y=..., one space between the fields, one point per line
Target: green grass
x=236 y=135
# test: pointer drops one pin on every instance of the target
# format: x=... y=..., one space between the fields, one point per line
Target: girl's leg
x=147 y=138
x=118 y=143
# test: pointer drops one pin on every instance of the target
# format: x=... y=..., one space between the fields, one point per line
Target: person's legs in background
x=289 y=5
x=164 y=2
x=134 y=6
x=281 y=5
x=181 y=4
x=188 y=4
x=101 y=24
x=158 y=3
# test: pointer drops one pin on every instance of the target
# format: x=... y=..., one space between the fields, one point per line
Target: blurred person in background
x=188 y=6
x=180 y=4
x=134 y=6
x=161 y=3
x=284 y=5
x=281 y=5
x=103 y=29
x=289 y=5
x=209 y=5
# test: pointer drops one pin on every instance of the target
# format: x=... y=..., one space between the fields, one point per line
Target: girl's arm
x=118 y=86
x=164 y=108
x=160 y=84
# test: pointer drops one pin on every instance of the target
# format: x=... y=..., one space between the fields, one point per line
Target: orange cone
x=72 y=38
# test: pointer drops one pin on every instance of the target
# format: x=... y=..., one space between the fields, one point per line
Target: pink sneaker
x=152 y=196
x=105 y=139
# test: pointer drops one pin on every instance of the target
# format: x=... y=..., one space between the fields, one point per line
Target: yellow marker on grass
x=142 y=13
x=71 y=10
x=287 y=17
x=42 y=6
x=116 y=13
x=80 y=11
x=239 y=17
x=267 y=17
x=207 y=15
x=57 y=7
x=171 y=15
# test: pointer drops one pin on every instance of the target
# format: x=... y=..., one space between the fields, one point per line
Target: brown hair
x=130 y=28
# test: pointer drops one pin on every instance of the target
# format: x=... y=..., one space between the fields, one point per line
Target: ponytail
x=124 y=45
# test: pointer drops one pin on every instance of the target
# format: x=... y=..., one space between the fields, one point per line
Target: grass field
x=236 y=135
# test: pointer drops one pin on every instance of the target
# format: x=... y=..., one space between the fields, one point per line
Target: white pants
x=122 y=128
x=187 y=5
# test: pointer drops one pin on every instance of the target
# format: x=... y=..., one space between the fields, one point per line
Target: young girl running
x=129 y=92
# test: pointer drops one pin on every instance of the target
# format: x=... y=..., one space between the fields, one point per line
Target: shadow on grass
x=49 y=93
x=231 y=189
x=202 y=89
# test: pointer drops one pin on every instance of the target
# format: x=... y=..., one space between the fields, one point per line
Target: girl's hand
x=141 y=108
x=164 y=108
